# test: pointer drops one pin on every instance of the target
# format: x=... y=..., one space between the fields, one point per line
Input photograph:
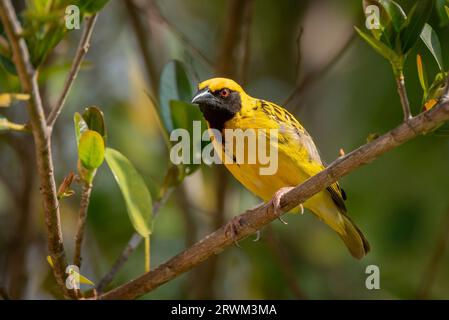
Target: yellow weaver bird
x=225 y=105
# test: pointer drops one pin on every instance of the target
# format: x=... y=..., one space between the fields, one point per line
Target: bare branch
x=84 y=205
x=28 y=80
x=255 y=219
x=400 y=83
x=81 y=52
x=315 y=75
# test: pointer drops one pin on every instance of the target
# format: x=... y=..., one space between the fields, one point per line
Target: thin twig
x=143 y=40
x=400 y=82
x=147 y=254
x=132 y=245
x=315 y=75
x=41 y=134
x=81 y=52
x=152 y=10
x=84 y=205
x=431 y=270
x=255 y=219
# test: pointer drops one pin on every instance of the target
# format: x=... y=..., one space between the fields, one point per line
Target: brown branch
x=400 y=83
x=81 y=52
x=84 y=205
x=41 y=135
x=431 y=270
x=255 y=219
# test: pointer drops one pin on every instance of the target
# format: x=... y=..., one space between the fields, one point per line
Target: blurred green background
x=400 y=201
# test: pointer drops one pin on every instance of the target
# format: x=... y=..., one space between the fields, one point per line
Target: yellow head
x=219 y=100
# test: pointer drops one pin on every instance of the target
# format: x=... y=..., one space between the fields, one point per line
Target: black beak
x=203 y=96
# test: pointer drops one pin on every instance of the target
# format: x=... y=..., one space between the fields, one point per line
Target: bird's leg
x=275 y=202
x=233 y=227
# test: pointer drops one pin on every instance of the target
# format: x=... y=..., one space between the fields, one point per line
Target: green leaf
x=80 y=126
x=413 y=25
x=184 y=114
x=94 y=119
x=447 y=11
x=430 y=38
x=134 y=191
x=174 y=85
x=82 y=278
x=395 y=13
x=91 y=6
x=382 y=48
x=91 y=150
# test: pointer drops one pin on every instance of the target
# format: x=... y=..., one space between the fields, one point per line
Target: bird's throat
x=216 y=117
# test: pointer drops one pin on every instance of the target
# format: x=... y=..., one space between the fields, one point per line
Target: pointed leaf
x=380 y=47
x=91 y=149
x=174 y=85
x=395 y=12
x=80 y=126
x=134 y=190
x=82 y=278
x=413 y=25
x=184 y=116
x=94 y=119
x=430 y=39
x=422 y=74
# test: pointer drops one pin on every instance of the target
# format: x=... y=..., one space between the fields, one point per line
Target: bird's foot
x=233 y=228
x=275 y=203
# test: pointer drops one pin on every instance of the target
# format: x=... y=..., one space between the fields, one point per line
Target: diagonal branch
x=315 y=75
x=28 y=79
x=81 y=52
x=255 y=219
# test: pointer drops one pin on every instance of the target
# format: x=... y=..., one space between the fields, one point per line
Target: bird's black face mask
x=218 y=106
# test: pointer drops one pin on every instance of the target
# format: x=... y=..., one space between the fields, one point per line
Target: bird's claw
x=257 y=236
x=275 y=203
x=233 y=227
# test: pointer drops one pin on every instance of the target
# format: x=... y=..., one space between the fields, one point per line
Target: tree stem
x=82 y=218
x=42 y=140
x=400 y=82
x=147 y=253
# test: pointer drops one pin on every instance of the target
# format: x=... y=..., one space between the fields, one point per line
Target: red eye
x=224 y=93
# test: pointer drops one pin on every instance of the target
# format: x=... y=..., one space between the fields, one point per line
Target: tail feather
x=335 y=217
x=354 y=239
